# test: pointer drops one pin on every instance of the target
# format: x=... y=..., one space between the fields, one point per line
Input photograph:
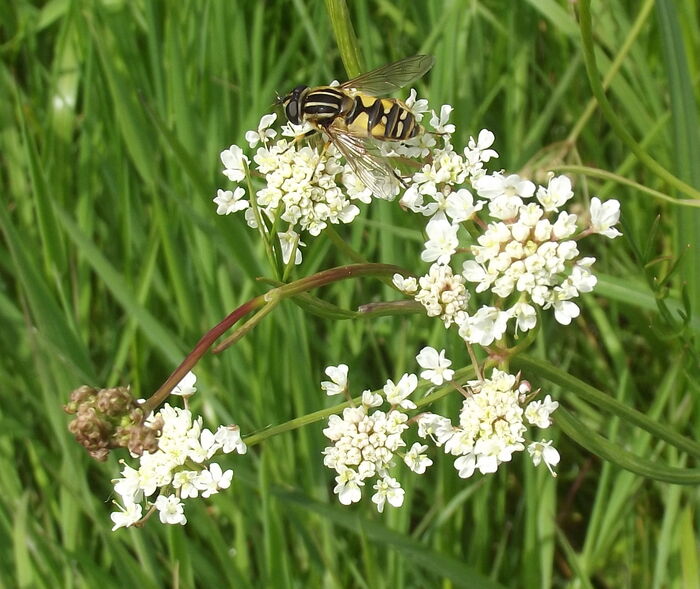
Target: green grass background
x=114 y=263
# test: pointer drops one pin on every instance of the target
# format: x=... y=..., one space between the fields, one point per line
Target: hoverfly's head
x=292 y=103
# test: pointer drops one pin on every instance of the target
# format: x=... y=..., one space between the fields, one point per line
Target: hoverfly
x=352 y=116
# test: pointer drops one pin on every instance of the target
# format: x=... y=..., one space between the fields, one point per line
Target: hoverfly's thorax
x=324 y=102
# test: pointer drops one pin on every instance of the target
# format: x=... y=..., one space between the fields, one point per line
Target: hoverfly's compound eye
x=293 y=105
x=292 y=111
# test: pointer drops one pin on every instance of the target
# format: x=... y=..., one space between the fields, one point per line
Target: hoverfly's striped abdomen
x=385 y=119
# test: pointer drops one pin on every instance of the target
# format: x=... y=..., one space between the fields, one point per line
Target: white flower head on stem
x=228 y=202
x=544 y=452
x=264 y=133
x=180 y=463
x=339 y=380
x=186 y=388
x=604 y=216
x=436 y=367
x=234 y=163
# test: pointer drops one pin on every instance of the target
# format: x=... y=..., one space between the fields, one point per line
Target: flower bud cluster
x=109 y=418
x=179 y=469
x=491 y=427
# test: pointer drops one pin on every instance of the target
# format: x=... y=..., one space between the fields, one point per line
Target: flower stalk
x=268 y=302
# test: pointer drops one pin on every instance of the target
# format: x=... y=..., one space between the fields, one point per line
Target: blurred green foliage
x=114 y=263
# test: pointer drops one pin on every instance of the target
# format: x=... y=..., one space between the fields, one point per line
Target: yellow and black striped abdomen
x=386 y=119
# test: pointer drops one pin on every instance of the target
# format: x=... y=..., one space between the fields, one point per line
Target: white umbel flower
x=126 y=516
x=181 y=463
x=544 y=452
x=538 y=412
x=604 y=216
x=491 y=427
x=234 y=163
x=436 y=366
x=228 y=201
x=397 y=394
x=171 y=510
x=416 y=460
x=186 y=388
x=388 y=490
x=263 y=133
x=338 y=382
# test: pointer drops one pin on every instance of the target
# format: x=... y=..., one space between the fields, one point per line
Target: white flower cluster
x=305 y=186
x=181 y=468
x=491 y=426
x=310 y=187
x=366 y=440
x=525 y=250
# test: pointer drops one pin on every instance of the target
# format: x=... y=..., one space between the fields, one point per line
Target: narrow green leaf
x=440 y=565
x=51 y=321
x=599 y=399
x=597 y=444
x=159 y=336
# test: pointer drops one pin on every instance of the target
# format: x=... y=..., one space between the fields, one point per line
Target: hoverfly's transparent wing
x=386 y=79
x=374 y=172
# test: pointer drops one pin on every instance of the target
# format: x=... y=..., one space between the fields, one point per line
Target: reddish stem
x=198 y=351
x=281 y=292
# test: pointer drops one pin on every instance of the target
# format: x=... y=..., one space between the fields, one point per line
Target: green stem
x=345 y=37
x=603 y=175
x=265 y=235
x=609 y=113
x=636 y=28
x=198 y=351
x=310 y=418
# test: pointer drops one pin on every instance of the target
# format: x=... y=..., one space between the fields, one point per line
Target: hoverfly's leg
x=326 y=144
x=399 y=177
x=299 y=138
